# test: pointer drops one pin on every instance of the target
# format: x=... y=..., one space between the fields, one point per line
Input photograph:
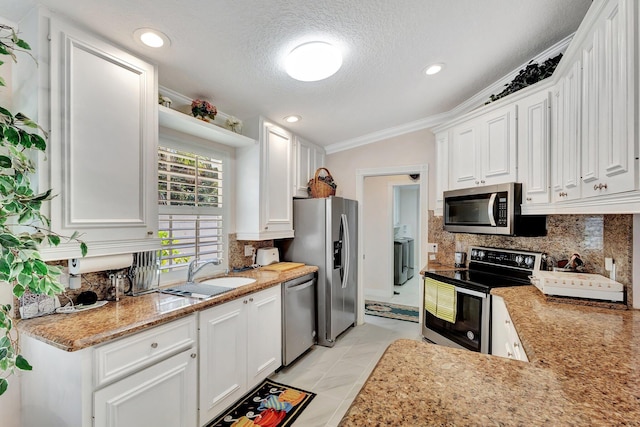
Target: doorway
x=375 y=190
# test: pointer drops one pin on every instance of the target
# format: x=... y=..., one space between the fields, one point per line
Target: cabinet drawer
x=128 y=355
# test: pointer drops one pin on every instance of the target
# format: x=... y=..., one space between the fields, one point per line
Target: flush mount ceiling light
x=292 y=119
x=151 y=38
x=313 y=61
x=433 y=69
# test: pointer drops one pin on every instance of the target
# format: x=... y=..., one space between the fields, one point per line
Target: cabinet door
x=264 y=334
x=161 y=395
x=442 y=171
x=464 y=156
x=223 y=357
x=565 y=135
x=498 y=146
x=504 y=338
x=304 y=164
x=277 y=180
x=616 y=122
x=103 y=140
x=533 y=147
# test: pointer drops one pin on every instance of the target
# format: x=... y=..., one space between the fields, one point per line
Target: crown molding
x=473 y=102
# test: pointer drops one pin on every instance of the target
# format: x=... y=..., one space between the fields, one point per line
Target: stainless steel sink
x=229 y=281
x=208 y=288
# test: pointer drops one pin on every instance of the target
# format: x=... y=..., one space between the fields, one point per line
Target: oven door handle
x=490 y=209
x=470 y=292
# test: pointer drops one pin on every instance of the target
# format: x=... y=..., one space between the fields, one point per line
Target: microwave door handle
x=490 y=209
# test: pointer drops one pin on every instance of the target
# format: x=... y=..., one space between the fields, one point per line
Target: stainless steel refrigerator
x=326 y=235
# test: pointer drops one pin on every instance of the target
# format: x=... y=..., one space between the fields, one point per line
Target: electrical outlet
x=432 y=247
x=432 y=257
x=608 y=264
x=249 y=250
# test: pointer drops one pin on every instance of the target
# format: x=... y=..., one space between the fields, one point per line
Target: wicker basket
x=318 y=187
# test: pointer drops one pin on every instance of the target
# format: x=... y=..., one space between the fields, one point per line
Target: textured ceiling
x=231 y=52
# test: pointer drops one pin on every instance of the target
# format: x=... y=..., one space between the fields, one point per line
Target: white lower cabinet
x=504 y=338
x=144 y=380
x=240 y=345
x=161 y=395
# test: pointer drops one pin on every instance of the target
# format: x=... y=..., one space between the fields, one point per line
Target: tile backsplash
x=236 y=251
x=594 y=237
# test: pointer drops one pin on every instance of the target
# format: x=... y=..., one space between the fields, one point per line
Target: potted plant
x=22 y=226
x=203 y=110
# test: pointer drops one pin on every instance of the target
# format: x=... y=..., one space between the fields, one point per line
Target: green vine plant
x=23 y=228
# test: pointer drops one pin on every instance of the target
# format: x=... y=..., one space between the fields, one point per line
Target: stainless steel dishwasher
x=298 y=317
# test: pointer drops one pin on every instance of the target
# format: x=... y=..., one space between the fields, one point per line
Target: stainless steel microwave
x=491 y=209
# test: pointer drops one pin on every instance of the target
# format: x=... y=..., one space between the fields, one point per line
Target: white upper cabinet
x=102 y=148
x=608 y=160
x=308 y=158
x=566 y=131
x=533 y=147
x=442 y=169
x=483 y=149
x=264 y=201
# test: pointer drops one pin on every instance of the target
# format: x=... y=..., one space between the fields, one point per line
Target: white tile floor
x=337 y=374
x=409 y=293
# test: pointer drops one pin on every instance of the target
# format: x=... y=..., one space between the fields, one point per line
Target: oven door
x=471 y=328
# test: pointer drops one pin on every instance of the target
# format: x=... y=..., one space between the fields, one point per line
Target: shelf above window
x=180 y=122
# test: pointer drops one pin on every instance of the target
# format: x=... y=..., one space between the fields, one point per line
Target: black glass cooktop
x=481 y=281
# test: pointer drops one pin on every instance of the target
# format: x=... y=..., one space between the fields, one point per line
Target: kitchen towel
x=430 y=295
x=447 y=302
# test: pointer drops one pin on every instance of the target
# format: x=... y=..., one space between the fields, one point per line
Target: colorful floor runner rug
x=270 y=404
x=392 y=311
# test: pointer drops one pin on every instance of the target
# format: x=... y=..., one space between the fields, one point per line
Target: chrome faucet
x=191 y=272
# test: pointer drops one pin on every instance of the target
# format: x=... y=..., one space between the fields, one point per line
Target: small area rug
x=392 y=311
x=269 y=404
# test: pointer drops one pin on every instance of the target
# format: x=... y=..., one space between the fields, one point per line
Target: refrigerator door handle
x=347 y=250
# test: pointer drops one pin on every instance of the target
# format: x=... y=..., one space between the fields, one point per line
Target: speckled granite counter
x=584 y=370
x=71 y=332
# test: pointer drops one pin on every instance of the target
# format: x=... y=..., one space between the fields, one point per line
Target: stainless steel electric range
x=457 y=305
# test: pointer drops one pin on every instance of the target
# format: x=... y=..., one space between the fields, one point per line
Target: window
x=190 y=207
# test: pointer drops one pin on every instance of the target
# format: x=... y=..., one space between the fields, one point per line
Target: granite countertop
x=71 y=332
x=435 y=266
x=583 y=370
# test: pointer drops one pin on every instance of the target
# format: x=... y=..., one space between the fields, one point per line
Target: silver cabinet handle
x=482 y=181
x=509 y=354
x=516 y=345
x=251 y=299
x=193 y=355
x=528 y=199
x=154 y=345
x=477 y=182
x=245 y=302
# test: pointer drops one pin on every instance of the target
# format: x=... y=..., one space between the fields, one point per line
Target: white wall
x=409 y=210
x=410 y=149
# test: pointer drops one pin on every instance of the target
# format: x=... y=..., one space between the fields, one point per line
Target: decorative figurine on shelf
x=234 y=124
x=165 y=101
x=203 y=110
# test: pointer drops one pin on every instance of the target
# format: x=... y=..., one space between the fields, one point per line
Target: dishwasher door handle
x=300 y=287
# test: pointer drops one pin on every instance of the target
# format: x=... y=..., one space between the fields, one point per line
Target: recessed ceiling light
x=313 y=61
x=292 y=119
x=433 y=69
x=151 y=38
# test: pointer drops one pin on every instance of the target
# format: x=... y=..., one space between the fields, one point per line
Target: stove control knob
x=519 y=259
x=480 y=254
x=529 y=261
x=474 y=253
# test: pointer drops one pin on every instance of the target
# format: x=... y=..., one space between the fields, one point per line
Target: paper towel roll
x=101 y=263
